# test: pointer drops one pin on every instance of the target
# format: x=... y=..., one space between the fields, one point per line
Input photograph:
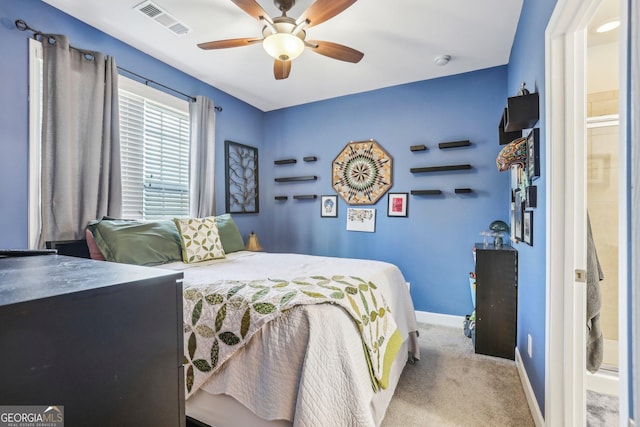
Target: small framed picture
x=517 y=217
x=329 y=206
x=514 y=172
x=361 y=219
x=527 y=227
x=512 y=228
x=397 y=204
x=532 y=197
x=533 y=154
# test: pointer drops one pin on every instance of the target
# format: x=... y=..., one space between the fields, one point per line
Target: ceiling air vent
x=156 y=13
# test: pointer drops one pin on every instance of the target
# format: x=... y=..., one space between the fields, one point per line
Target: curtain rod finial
x=21 y=25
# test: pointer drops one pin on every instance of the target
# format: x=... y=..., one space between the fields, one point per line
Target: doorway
x=602 y=202
x=603 y=188
x=566 y=62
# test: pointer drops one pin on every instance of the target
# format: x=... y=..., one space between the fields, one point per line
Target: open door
x=566 y=44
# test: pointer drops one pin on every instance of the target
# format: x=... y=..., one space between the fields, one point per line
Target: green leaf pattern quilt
x=221 y=317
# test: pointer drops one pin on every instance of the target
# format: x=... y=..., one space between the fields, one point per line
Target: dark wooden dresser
x=102 y=339
x=496 y=300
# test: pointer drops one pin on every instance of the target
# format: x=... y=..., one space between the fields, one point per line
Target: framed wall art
x=517 y=217
x=527 y=227
x=512 y=228
x=241 y=178
x=397 y=204
x=514 y=175
x=531 y=200
x=533 y=154
x=361 y=219
x=329 y=206
x=362 y=172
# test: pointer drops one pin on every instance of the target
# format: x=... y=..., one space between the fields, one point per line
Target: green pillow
x=229 y=234
x=137 y=242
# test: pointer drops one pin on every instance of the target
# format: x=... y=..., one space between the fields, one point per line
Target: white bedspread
x=307 y=367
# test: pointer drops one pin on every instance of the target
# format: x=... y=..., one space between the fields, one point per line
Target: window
x=154 y=138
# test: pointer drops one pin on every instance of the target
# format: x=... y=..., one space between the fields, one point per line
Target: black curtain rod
x=147 y=81
x=23 y=26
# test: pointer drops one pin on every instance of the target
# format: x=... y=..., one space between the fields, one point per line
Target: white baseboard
x=538 y=419
x=603 y=382
x=440 y=319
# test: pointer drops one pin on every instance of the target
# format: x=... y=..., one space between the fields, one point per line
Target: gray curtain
x=633 y=118
x=202 y=201
x=80 y=171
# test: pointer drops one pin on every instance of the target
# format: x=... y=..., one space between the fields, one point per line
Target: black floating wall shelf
x=310 y=159
x=522 y=112
x=418 y=147
x=440 y=168
x=454 y=144
x=506 y=137
x=281 y=197
x=284 y=161
x=463 y=190
x=297 y=178
x=425 y=192
x=305 y=197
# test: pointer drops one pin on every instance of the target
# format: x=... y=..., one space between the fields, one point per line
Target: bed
x=312 y=362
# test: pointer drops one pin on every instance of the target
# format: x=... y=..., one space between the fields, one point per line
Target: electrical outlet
x=529 y=345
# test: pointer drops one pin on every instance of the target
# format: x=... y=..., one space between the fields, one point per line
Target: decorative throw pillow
x=199 y=239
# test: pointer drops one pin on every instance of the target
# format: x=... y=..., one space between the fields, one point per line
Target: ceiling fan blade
x=252 y=8
x=224 y=44
x=281 y=69
x=335 y=51
x=323 y=10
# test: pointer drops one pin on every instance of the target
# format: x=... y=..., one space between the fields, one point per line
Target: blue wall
x=433 y=245
x=237 y=121
x=527 y=64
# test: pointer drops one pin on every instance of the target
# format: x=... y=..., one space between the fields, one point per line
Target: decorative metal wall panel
x=241 y=178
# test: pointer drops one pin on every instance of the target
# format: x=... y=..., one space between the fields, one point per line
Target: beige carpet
x=453 y=386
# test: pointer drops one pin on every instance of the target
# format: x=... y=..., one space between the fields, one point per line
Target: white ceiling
x=607 y=11
x=400 y=40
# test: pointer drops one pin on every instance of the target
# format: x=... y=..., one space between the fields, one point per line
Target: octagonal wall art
x=362 y=172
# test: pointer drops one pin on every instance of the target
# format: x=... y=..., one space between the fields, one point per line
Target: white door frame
x=565 y=117
x=565 y=103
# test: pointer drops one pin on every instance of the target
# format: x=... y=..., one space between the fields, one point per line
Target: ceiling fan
x=284 y=38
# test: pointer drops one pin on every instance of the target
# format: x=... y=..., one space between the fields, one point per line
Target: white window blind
x=154 y=138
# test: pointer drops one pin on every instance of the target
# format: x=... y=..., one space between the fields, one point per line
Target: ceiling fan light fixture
x=283 y=46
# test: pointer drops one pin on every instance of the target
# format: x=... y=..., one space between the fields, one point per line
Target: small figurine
x=523 y=90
